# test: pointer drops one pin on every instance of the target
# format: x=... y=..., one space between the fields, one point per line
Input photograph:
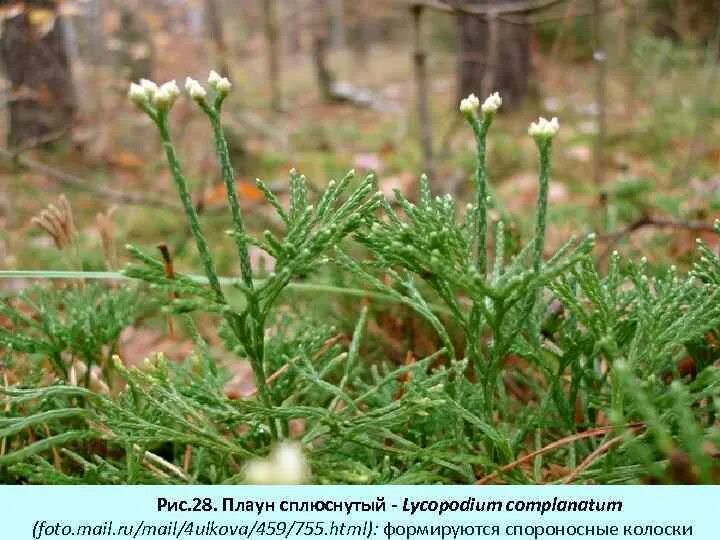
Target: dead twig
x=520 y=12
x=82 y=184
x=595 y=455
x=106 y=193
x=662 y=223
x=271 y=379
x=553 y=15
x=612 y=238
x=170 y=274
x=554 y=445
x=39 y=141
x=496 y=8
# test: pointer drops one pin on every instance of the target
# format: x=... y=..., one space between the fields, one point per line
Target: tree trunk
x=359 y=32
x=337 y=24
x=421 y=90
x=293 y=42
x=494 y=55
x=96 y=12
x=272 y=38
x=322 y=71
x=34 y=53
x=136 y=54
x=217 y=35
x=320 y=44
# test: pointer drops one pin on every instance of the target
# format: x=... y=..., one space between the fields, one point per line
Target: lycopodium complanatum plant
x=495 y=307
x=547 y=370
x=310 y=230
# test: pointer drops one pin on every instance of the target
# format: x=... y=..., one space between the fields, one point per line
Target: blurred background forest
x=328 y=85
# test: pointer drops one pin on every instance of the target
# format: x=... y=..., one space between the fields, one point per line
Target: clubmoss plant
x=71 y=329
x=543 y=132
x=310 y=231
x=542 y=369
x=450 y=256
x=469 y=107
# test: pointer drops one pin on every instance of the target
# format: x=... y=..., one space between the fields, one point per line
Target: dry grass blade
x=152 y=461
x=58 y=222
x=106 y=228
x=187 y=458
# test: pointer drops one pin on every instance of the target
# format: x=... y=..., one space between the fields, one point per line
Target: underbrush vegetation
x=554 y=368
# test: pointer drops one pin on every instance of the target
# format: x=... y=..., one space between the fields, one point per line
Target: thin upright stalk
x=257 y=321
x=480 y=128
x=545 y=146
x=474 y=338
x=228 y=175
x=186 y=199
x=257 y=334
